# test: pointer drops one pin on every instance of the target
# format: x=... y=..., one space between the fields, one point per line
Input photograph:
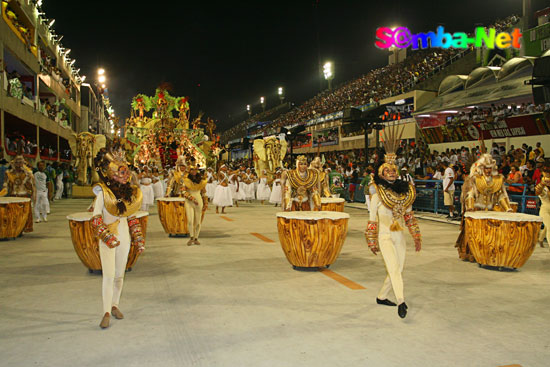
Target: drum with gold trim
x=312 y=239
x=86 y=243
x=172 y=215
x=14 y=215
x=333 y=204
x=502 y=239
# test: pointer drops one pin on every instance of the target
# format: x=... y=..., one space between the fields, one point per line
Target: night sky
x=239 y=51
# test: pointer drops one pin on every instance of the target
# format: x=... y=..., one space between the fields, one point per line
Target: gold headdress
x=301 y=159
x=392 y=138
x=485 y=161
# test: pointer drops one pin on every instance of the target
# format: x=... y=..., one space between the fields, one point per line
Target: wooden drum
x=332 y=204
x=502 y=239
x=312 y=239
x=86 y=244
x=172 y=215
x=14 y=214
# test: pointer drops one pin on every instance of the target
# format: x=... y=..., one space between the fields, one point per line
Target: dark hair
x=121 y=191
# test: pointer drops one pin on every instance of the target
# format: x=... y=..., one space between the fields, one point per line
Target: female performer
x=145 y=184
x=196 y=202
x=264 y=192
x=222 y=196
x=276 y=193
x=116 y=227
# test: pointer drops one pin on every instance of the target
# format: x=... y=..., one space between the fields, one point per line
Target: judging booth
x=86 y=243
x=502 y=239
x=312 y=239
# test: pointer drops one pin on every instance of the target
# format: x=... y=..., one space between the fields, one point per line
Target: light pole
x=281 y=94
x=248 y=110
x=328 y=73
x=262 y=102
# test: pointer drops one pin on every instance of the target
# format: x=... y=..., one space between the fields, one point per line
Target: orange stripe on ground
x=342 y=280
x=511 y=365
x=227 y=219
x=262 y=237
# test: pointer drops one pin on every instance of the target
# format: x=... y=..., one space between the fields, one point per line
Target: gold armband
x=412 y=224
x=371 y=234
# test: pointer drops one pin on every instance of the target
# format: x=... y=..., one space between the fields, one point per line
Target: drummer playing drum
x=301 y=187
x=485 y=191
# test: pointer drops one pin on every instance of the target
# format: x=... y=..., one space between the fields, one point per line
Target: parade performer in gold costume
x=19 y=182
x=196 y=202
x=174 y=187
x=323 y=177
x=484 y=190
x=390 y=210
x=114 y=223
x=542 y=190
x=301 y=188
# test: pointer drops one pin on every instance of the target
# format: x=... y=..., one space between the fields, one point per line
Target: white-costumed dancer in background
x=158 y=184
x=114 y=223
x=276 y=192
x=211 y=184
x=222 y=196
x=146 y=186
x=263 y=192
x=235 y=186
x=248 y=183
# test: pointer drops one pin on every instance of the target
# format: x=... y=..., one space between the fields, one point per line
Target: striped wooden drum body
x=86 y=243
x=502 y=239
x=14 y=215
x=312 y=239
x=332 y=204
x=172 y=215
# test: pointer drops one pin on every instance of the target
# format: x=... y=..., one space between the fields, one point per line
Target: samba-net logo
x=402 y=37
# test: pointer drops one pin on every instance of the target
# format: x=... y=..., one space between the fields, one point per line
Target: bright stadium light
x=100 y=71
x=248 y=110
x=51 y=23
x=262 y=102
x=281 y=94
x=102 y=79
x=328 y=73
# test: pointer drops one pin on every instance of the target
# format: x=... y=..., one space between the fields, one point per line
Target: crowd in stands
x=497 y=113
x=372 y=87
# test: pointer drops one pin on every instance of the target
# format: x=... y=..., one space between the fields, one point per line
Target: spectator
x=448 y=188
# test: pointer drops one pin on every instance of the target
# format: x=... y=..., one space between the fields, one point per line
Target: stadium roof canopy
x=484 y=85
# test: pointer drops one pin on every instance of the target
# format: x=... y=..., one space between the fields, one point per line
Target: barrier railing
x=429 y=197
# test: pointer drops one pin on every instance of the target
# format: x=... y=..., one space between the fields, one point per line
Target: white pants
x=59 y=191
x=367 y=202
x=393 y=248
x=194 y=214
x=41 y=207
x=545 y=214
x=113 y=264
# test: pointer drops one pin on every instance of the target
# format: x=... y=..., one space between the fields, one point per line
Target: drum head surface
x=141 y=213
x=11 y=199
x=171 y=199
x=80 y=216
x=313 y=215
x=332 y=200
x=504 y=216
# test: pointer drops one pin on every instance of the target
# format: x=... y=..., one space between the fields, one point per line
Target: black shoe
x=402 y=310
x=385 y=302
